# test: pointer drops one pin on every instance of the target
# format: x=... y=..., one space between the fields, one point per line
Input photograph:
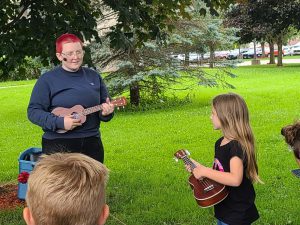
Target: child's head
x=233 y=116
x=67 y=188
x=292 y=138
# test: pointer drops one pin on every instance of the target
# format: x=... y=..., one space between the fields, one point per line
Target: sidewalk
x=266 y=61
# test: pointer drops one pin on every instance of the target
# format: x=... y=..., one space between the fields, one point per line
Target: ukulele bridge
x=209 y=188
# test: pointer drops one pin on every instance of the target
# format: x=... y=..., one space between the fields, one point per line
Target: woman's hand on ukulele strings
x=107 y=107
x=71 y=123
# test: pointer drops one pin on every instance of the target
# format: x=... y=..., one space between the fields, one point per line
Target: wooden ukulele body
x=76 y=111
x=207 y=192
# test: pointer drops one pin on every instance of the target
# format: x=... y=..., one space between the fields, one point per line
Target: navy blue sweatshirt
x=60 y=88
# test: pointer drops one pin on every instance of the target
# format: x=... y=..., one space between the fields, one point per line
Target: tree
x=280 y=16
x=148 y=71
x=216 y=36
x=151 y=69
x=149 y=19
x=29 y=28
x=265 y=20
x=202 y=33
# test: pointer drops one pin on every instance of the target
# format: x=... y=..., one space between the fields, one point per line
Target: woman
x=65 y=86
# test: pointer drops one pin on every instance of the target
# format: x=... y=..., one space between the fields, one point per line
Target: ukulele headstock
x=119 y=102
x=180 y=154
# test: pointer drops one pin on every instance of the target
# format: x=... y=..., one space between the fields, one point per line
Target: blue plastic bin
x=27 y=161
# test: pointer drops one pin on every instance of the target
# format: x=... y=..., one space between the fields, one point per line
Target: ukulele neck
x=92 y=110
x=189 y=162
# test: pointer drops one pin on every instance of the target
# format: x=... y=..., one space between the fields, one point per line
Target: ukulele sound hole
x=75 y=115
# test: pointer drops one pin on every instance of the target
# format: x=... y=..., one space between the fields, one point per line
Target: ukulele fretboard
x=206 y=184
x=91 y=110
x=187 y=161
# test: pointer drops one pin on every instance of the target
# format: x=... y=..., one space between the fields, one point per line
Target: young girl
x=235 y=161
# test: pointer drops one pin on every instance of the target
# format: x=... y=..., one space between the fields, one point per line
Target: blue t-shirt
x=60 y=88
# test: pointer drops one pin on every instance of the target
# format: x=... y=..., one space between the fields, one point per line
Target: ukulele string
x=187 y=161
x=91 y=110
x=98 y=107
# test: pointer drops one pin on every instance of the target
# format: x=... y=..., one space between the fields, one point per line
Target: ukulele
x=207 y=192
x=78 y=112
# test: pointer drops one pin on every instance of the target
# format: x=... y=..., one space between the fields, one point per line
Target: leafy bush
x=30 y=68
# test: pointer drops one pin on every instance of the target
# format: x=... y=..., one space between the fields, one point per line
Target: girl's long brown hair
x=233 y=114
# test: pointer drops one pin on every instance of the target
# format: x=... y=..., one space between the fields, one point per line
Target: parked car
x=233 y=54
x=179 y=57
x=276 y=52
x=267 y=52
x=206 y=55
x=221 y=54
x=295 y=50
x=194 y=57
x=250 y=54
x=287 y=50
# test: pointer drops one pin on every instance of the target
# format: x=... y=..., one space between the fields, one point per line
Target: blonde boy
x=67 y=189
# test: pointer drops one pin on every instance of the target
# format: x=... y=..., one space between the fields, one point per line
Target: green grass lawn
x=146 y=185
x=284 y=57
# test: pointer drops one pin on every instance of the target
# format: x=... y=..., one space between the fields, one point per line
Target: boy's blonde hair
x=67 y=189
x=233 y=114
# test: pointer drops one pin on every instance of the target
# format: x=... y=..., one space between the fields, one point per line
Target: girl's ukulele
x=78 y=112
x=206 y=191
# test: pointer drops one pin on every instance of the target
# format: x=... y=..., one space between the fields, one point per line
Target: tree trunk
x=272 y=58
x=279 y=44
x=5 y=70
x=254 y=48
x=187 y=58
x=240 y=56
x=201 y=59
x=135 y=94
x=262 y=44
x=255 y=61
x=211 y=57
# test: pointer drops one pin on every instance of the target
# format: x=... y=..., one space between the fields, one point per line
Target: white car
x=194 y=57
x=295 y=50
x=233 y=54
x=221 y=54
x=287 y=50
x=179 y=57
x=206 y=55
